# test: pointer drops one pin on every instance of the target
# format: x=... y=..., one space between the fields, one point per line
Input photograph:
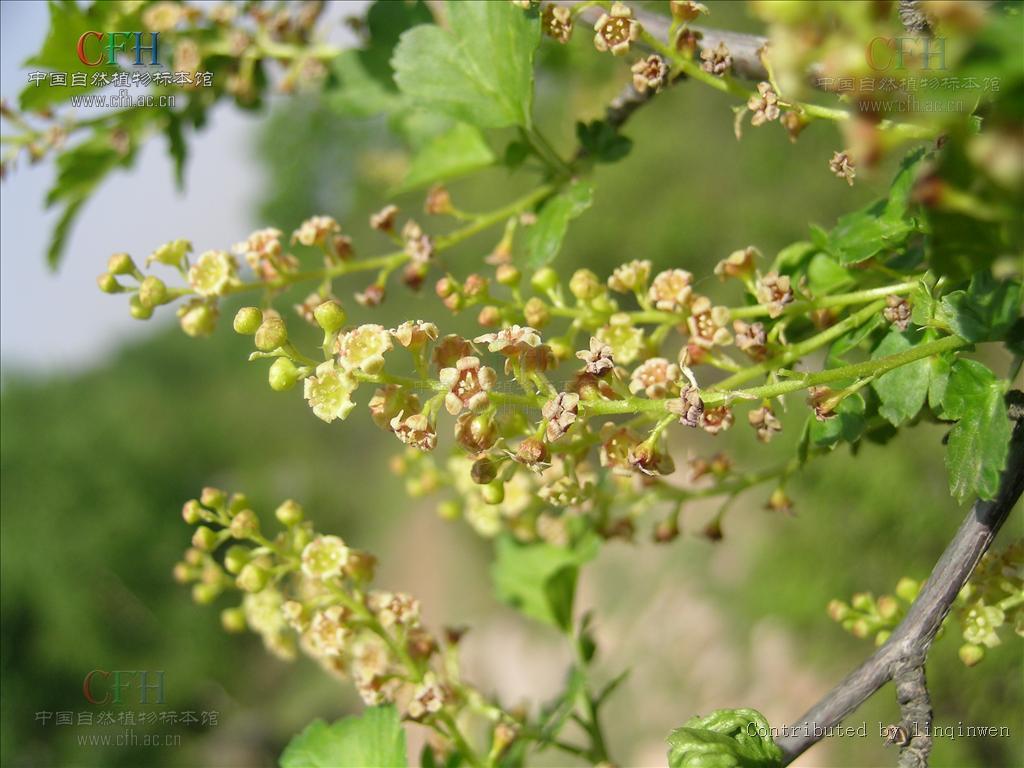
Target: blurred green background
x=96 y=465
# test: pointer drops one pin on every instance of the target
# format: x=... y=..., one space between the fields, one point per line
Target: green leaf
x=601 y=141
x=454 y=153
x=177 y=148
x=824 y=275
x=852 y=339
x=544 y=238
x=727 y=738
x=59 y=51
x=846 y=426
x=902 y=390
x=385 y=22
x=479 y=72
x=358 y=92
x=980 y=440
x=539 y=579
x=882 y=226
x=983 y=312
x=375 y=738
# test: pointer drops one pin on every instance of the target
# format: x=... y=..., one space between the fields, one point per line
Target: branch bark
x=903 y=656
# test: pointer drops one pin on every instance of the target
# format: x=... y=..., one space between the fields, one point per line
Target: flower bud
x=252 y=578
x=137 y=310
x=247 y=320
x=882 y=636
x=887 y=606
x=489 y=316
x=449 y=510
x=108 y=283
x=213 y=498
x=330 y=316
x=536 y=313
x=271 y=334
x=970 y=654
x=233 y=620
x=204 y=538
x=838 y=610
x=182 y=573
x=360 y=566
x=907 y=589
x=445 y=287
x=197 y=318
x=507 y=275
x=289 y=513
x=283 y=374
x=561 y=348
x=152 y=292
x=236 y=558
x=204 y=594
x=493 y=492
x=585 y=285
x=483 y=471
x=544 y=280
x=237 y=503
x=862 y=601
x=191 y=512
x=666 y=530
x=244 y=524
x=121 y=264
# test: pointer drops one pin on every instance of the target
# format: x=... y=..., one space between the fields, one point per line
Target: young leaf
x=544 y=238
x=358 y=92
x=902 y=390
x=540 y=579
x=980 y=440
x=602 y=142
x=480 y=72
x=883 y=225
x=983 y=312
x=727 y=738
x=374 y=738
x=456 y=152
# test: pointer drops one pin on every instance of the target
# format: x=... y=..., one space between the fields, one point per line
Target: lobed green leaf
x=375 y=738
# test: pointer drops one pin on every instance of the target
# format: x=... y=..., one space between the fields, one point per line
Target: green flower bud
x=838 y=610
x=289 y=513
x=213 y=498
x=971 y=654
x=544 y=280
x=108 y=283
x=252 y=578
x=507 y=275
x=561 y=349
x=860 y=628
x=247 y=320
x=237 y=503
x=888 y=607
x=137 y=310
x=863 y=601
x=283 y=374
x=907 y=589
x=233 y=620
x=182 y=573
x=121 y=264
x=536 y=313
x=204 y=594
x=171 y=254
x=271 y=334
x=236 y=558
x=330 y=316
x=244 y=524
x=152 y=292
x=494 y=492
x=881 y=637
x=301 y=536
x=449 y=509
x=198 y=318
x=191 y=512
x=585 y=285
x=204 y=538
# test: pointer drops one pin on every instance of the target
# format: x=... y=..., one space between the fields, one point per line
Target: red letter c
x=81 y=49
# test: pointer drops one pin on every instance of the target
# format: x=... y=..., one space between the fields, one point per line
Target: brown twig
x=903 y=656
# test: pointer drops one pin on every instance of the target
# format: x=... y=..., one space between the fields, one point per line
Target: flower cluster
x=305 y=591
x=991 y=600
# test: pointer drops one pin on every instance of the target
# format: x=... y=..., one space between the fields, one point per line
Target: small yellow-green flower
x=212 y=273
x=363 y=348
x=330 y=392
x=625 y=339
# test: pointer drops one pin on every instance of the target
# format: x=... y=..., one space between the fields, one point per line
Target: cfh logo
x=93 y=45
x=103 y=687
x=887 y=53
